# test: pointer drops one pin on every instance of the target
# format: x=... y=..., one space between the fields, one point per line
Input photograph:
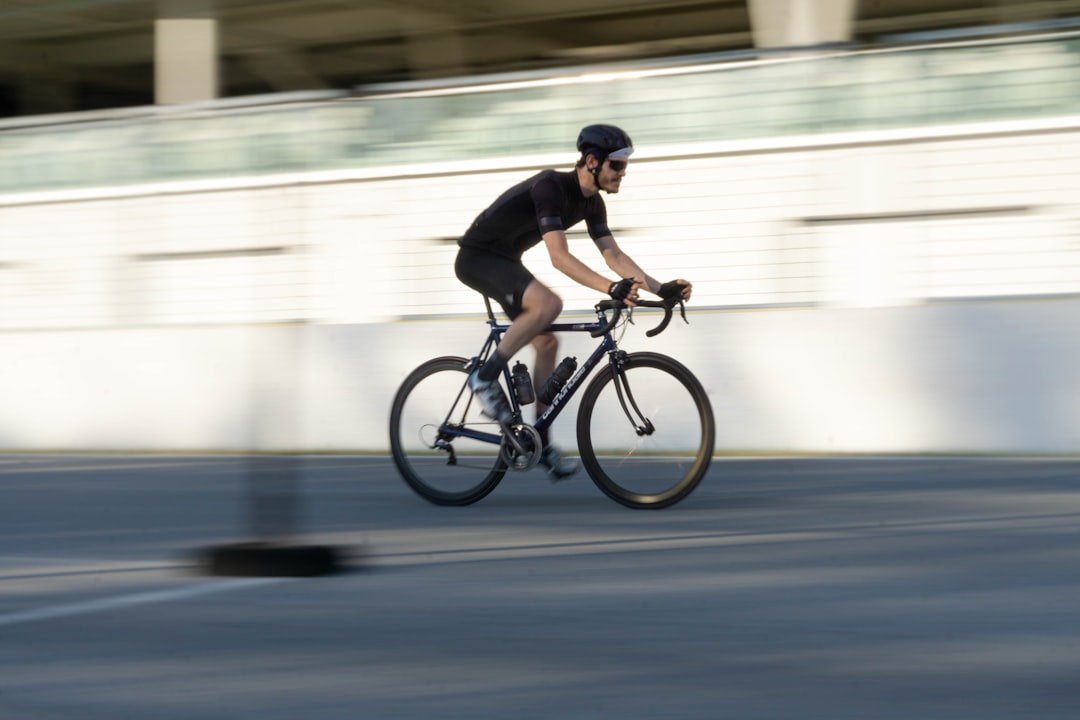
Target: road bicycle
x=645 y=427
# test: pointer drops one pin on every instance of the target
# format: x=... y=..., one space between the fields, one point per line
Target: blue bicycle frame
x=607 y=346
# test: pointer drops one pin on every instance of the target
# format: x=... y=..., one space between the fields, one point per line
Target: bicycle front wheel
x=645 y=432
x=443 y=447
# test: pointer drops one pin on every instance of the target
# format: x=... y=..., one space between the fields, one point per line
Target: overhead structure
x=58 y=55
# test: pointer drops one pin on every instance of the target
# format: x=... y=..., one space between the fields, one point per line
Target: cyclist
x=542 y=208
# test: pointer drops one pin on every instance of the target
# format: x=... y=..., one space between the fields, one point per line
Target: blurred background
x=230 y=224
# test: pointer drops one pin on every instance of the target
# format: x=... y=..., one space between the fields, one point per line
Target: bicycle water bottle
x=558 y=378
x=523 y=387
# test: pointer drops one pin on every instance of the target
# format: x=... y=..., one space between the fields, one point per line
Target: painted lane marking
x=144 y=598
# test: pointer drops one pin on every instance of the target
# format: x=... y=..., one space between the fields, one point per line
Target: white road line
x=95 y=562
x=145 y=598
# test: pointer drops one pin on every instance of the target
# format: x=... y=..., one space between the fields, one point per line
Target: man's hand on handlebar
x=680 y=289
x=626 y=290
x=616 y=306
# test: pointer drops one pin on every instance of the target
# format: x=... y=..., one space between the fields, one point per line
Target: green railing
x=719 y=101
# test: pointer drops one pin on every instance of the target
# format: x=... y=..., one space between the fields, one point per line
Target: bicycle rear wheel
x=655 y=455
x=434 y=429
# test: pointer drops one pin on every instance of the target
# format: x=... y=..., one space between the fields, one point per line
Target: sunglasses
x=617 y=165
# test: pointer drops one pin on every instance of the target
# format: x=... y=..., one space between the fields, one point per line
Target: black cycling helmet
x=606 y=141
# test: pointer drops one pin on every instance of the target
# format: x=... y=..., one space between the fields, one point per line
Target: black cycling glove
x=621 y=290
x=672 y=289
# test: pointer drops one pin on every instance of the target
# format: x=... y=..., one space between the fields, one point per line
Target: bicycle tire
x=656 y=469
x=464 y=470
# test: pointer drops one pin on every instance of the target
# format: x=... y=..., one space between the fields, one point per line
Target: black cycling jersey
x=549 y=200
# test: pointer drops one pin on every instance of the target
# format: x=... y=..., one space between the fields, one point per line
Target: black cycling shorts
x=500 y=278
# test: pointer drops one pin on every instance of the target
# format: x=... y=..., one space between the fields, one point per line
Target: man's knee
x=542 y=303
x=552 y=307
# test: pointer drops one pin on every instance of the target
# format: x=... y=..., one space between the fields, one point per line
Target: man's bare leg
x=539 y=308
x=546 y=346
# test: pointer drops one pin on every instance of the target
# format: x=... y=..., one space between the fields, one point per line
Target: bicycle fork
x=641 y=424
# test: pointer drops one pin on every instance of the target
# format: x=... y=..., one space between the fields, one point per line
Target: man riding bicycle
x=542 y=208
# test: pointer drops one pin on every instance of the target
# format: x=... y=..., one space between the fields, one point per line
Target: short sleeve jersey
x=549 y=200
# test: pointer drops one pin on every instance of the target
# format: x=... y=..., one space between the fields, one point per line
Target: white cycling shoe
x=493 y=402
x=558 y=467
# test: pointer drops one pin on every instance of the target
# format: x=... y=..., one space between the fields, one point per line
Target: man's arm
x=566 y=263
x=623 y=264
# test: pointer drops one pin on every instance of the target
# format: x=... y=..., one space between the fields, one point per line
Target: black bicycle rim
x=444 y=468
x=656 y=457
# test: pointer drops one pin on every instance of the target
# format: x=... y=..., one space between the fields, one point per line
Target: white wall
x=909 y=291
x=952 y=378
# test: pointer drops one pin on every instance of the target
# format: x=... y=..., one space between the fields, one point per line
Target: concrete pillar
x=800 y=23
x=185 y=60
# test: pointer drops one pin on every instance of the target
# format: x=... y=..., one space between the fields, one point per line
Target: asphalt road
x=861 y=588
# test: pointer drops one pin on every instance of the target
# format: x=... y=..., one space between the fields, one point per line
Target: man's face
x=611 y=174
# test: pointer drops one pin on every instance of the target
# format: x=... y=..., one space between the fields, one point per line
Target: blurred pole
x=273 y=506
x=273 y=468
